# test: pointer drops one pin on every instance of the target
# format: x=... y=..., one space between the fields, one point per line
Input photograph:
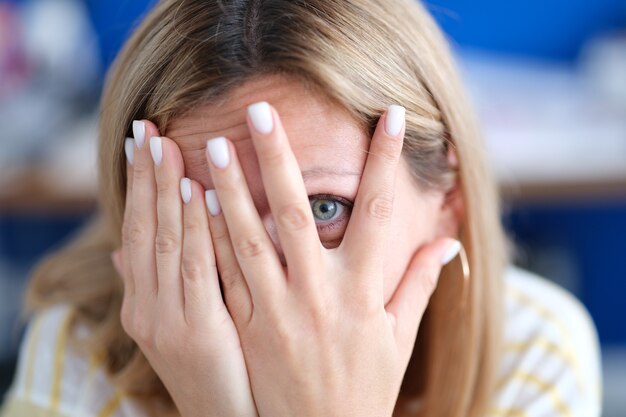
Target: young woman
x=302 y=175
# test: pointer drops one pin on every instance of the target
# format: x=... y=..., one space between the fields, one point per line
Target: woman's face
x=331 y=150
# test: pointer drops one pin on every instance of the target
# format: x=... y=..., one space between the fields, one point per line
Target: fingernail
x=394 y=120
x=218 y=151
x=139 y=132
x=156 y=149
x=451 y=252
x=129 y=149
x=261 y=116
x=185 y=189
x=212 y=203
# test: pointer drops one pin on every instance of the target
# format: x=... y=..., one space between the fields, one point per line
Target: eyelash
x=347 y=204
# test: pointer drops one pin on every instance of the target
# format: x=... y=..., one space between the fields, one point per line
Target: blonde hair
x=363 y=55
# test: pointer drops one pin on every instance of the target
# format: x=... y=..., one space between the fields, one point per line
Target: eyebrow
x=319 y=172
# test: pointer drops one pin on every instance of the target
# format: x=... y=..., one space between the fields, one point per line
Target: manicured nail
x=261 y=116
x=139 y=132
x=451 y=252
x=129 y=149
x=185 y=189
x=156 y=149
x=212 y=202
x=218 y=151
x=394 y=120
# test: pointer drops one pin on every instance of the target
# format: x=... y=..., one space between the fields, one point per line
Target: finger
x=253 y=247
x=364 y=242
x=168 y=172
x=198 y=269
x=286 y=193
x=143 y=222
x=236 y=292
x=124 y=271
x=409 y=301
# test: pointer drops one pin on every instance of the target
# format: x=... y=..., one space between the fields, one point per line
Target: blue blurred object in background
x=114 y=22
x=554 y=29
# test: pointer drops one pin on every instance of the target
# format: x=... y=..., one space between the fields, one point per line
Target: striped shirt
x=550 y=366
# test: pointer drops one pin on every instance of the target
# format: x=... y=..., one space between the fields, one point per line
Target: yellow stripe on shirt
x=551 y=317
x=59 y=359
x=111 y=406
x=550 y=347
x=545 y=388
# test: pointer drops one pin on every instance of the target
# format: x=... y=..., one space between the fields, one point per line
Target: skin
x=301 y=324
x=343 y=150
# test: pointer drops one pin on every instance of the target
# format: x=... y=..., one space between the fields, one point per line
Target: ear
x=452 y=209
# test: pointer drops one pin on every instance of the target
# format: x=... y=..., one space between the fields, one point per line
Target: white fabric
x=551 y=364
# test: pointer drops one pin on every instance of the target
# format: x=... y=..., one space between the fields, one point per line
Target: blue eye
x=329 y=211
x=326 y=209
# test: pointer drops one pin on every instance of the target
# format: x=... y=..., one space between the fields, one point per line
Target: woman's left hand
x=319 y=339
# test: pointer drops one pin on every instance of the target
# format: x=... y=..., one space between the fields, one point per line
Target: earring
x=466 y=275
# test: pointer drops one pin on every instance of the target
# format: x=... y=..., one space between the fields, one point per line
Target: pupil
x=327 y=209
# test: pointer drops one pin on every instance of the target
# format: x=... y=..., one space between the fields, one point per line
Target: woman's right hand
x=172 y=304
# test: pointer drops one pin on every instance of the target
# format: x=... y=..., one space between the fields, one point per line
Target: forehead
x=323 y=136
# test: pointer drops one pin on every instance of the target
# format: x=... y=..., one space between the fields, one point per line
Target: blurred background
x=548 y=80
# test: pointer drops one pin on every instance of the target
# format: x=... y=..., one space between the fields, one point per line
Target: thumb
x=408 y=303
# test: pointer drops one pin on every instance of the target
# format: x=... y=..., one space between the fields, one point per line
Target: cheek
x=414 y=223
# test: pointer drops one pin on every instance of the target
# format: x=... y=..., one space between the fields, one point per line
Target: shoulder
x=551 y=361
x=55 y=378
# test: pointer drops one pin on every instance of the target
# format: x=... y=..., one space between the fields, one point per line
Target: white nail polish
x=139 y=132
x=129 y=149
x=185 y=189
x=261 y=116
x=394 y=120
x=156 y=149
x=218 y=151
x=451 y=252
x=212 y=202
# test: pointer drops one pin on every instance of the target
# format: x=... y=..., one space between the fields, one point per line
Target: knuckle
x=219 y=234
x=166 y=187
x=293 y=217
x=193 y=224
x=284 y=335
x=250 y=247
x=321 y=311
x=166 y=241
x=388 y=151
x=191 y=270
x=380 y=207
x=136 y=233
x=231 y=184
x=274 y=156
x=319 y=319
x=142 y=172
